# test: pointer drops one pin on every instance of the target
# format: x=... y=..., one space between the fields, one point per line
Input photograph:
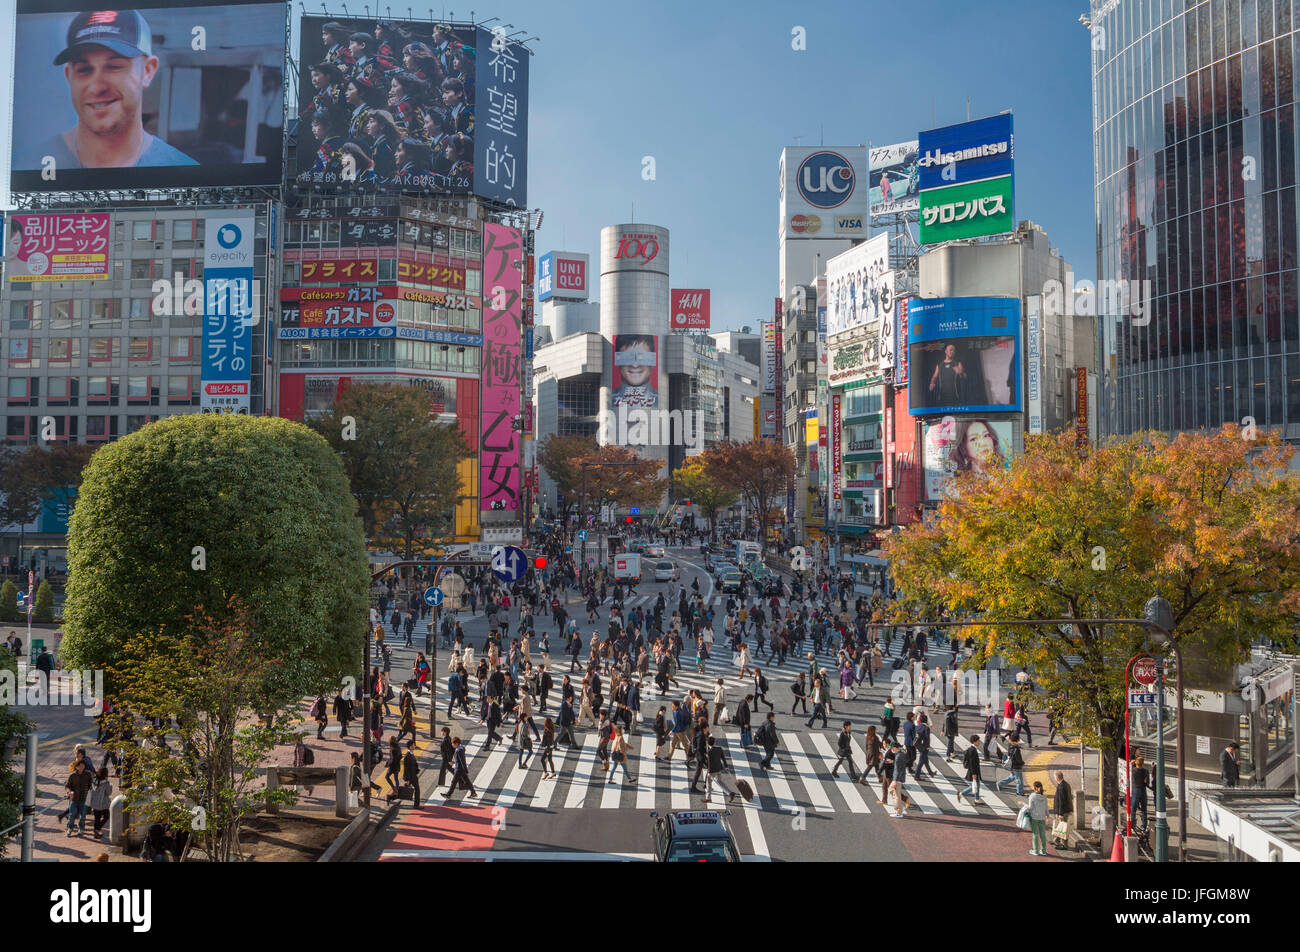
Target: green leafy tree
x=1209 y=521
x=400 y=462
x=22 y=488
x=9 y=601
x=43 y=612
x=208 y=690
x=13 y=729
x=179 y=517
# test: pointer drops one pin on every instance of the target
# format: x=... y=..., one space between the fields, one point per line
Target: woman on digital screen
x=977 y=448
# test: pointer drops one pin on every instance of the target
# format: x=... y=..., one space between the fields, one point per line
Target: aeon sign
x=640 y=248
x=825 y=180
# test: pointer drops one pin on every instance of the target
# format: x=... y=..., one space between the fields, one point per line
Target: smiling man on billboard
x=108 y=63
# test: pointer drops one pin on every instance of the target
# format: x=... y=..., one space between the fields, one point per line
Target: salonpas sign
x=967 y=175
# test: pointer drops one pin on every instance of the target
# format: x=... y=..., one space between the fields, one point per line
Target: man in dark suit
x=411 y=772
x=448 y=755
x=460 y=776
x=1230 y=764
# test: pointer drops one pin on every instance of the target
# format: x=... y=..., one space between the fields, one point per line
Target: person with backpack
x=1015 y=764
x=971 y=761
x=1037 y=807
x=950 y=729
x=317 y=713
x=799 y=688
x=922 y=741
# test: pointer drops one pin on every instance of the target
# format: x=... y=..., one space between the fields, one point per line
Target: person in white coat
x=720 y=702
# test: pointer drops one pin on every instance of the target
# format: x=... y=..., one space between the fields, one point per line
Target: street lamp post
x=1159 y=617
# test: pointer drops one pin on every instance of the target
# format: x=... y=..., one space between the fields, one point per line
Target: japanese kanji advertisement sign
x=57 y=247
x=967 y=180
x=501 y=138
x=503 y=314
x=228 y=313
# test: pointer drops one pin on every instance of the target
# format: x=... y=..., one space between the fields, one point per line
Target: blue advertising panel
x=964 y=355
x=228 y=313
x=546 y=276
x=981 y=149
x=501 y=119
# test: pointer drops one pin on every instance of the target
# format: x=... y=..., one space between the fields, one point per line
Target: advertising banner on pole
x=500 y=449
x=229 y=314
x=689 y=309
x=859 y=286
x=1034 y=359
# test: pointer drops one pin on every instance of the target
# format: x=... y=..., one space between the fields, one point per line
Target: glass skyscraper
x=1195 y=147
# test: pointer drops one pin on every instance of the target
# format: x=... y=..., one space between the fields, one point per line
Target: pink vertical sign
x=503 y=313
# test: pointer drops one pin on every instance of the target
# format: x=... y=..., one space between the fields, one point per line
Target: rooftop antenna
x=968 y=109
x=821 y=132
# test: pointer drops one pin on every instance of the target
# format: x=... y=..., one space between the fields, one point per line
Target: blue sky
x=714 y=91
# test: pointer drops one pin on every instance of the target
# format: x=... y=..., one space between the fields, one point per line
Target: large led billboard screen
x=964 y=355
x=411 y=106
x=159 y=96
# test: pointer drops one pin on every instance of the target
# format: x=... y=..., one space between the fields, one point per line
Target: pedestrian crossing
x=799 y=780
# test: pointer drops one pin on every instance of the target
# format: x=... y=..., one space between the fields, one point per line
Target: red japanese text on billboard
x=57 y=247
x=499 y=451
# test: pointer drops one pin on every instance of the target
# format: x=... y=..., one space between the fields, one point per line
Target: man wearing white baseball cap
x=108 y=63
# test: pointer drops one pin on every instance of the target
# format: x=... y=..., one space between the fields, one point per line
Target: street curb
x=358 y=835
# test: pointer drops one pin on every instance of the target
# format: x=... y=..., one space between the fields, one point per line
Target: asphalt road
x=799 y=811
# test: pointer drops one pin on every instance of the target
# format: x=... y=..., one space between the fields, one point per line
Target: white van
x=667 y=571
x=628 y=565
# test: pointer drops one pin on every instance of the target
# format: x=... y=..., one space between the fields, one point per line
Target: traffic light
x=688 y=504
x=539 y=562
x=628 y=520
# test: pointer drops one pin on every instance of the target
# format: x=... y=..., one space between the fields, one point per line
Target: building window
x=65 y=349
x=183 y=230
x=178 y=389
x=134 y=423
x=137 y=388
x=16 y=427
x=143 y=350
x=96 y=428
x=180 y=349
x=142 y=231
x=102 y=313
x=102 y=390
x=18 y=388
x=141 y=310
x=101 y=350
x=60 y=315
x=141 y=270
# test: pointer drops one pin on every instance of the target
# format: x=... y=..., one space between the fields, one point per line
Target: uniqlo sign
x=690 y=309
x=562 y=274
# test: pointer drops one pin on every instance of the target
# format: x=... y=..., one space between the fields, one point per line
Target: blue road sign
x=582 y=535
x=635 y=510
x=433 y=597
x=509 y=563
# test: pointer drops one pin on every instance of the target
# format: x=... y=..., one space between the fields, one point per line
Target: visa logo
x=848 y=223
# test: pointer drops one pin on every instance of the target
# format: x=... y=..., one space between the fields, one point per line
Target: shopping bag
x=1061 y=829
x=1022 y=818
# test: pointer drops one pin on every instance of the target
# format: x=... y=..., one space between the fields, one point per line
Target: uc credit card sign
x=228 y=313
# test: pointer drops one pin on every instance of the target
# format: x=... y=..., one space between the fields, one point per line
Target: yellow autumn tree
x=1208 y=520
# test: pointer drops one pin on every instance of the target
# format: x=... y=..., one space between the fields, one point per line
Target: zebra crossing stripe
x=739 y=758
x=679 y=779
x=647 y=787
x=581 y=777
x=848 y=788
x=613 y=791
x=781 y=791
x=514 y=784
x=948 y=786
x=489 y=771
x=808 y=774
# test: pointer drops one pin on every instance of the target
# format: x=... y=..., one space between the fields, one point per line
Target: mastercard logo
x=805 y=224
